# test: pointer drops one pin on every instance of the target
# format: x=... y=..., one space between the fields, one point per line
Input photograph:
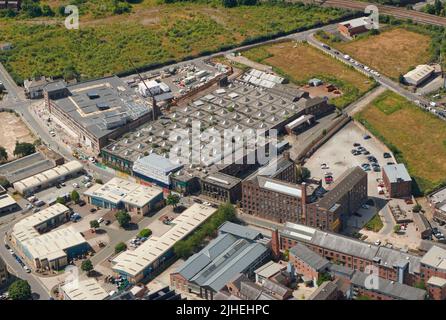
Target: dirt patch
x=13 y=129
x=392 y=52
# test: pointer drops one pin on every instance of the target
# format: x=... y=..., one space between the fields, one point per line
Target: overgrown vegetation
x=152 y=35
x=193 y=243
x=300 y=62
x=414 y=136
x=375 y=224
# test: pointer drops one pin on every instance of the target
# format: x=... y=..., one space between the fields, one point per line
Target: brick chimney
x=304 y=203
x=275 y=244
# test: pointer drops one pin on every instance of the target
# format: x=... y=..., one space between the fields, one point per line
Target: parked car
x=100 y=220
x=107 y=222
x=387 y=155
x=93 y=210
x=81 y=203
x=356 y=144
x=198 y=201
x=366 y=137
x=377 y=242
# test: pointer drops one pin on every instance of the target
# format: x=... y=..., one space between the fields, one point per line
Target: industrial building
x=437 y=201
x=46 y=249
x=418 y=75
x=7 y=203
x=307 y=263
x=393 y=265
x=397 y=181
x=48 y=178
x=124 y=194
x=384 y=289
x=354 y=27
x=85 y=289
x=154 y=253
x=93 y=112
x=155 y=169
x=236 y=250
x=306 y=203
x=239 y=107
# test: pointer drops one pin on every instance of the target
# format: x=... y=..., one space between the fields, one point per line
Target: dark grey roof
x=56 y=85
x=25 y=167
x=391 y=288
x=273 y=287
x=340 y=270
x=326 y=289
x=221 y=260
x=81 y=104
x=350 y=246
x=240 y=231
x=346 y=182
x=309 y=257
x=222 y=180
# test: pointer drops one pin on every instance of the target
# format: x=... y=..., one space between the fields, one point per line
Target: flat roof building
x=418 y=75
x=155 y=169
x=86 y=289
x=7 y=204
x=97 y=110
x=354 y=27
x=153 y=253
x=124 y=194
x=397 y=180
x=48 y=178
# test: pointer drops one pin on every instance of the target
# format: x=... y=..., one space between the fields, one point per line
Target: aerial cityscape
x=222 y=150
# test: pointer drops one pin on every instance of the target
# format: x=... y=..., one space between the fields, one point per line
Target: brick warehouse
x=268 y=197
x=392 y=264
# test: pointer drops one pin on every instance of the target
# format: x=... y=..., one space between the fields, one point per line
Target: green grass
x=416 y=137
x=152 y=35
x=375 y=224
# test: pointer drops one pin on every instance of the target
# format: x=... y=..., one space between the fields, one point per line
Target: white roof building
x=119 y=190
x=47 y=177
x=133 y=263
x=419 y=74
x=88 y=289
x=6 y=201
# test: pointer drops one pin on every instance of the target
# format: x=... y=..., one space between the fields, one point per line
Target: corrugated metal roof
x=397 y=172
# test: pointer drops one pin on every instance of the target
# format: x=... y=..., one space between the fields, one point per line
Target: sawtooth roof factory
x=237 y=105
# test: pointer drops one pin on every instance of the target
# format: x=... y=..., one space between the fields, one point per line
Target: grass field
x=375 y=224
x=417 y=138
x=151 y=34
x=302 y=62
x=392 y=52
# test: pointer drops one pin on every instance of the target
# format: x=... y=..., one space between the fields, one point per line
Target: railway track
x=397 y=12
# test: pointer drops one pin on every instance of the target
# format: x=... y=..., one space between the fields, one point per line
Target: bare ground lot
x=13 y=129
x=301 y=62
x=393 y=52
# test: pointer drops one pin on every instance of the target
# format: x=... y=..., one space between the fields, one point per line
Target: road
x=39 y=291
x=381 y=79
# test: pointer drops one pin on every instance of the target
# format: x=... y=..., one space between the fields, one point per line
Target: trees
x=145 y=233
x=323 y=278
x=396 y=228
x=302 y=174
x=173 y=200
x=416 y=208
x=3 y=154
x=94 y=224
x=75 y=196
x=123 y=218
x=229 y=3
x=20 y=290
x=60 y=200
x=87 y=266
x=121 y=246
x=24 y=149
x=184 y=248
